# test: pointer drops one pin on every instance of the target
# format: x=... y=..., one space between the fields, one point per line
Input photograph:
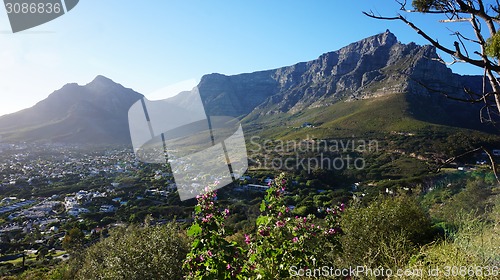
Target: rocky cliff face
x=372 y=67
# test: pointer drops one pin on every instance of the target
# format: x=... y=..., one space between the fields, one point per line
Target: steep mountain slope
x=372 y=68
x=347 y=72
x=95 y=113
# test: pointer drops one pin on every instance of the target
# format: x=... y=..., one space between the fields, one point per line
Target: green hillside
x=375 y=117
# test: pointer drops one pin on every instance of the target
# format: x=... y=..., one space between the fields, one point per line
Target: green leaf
x=263 y=220
x=263 y=206
x=194 y=230
x=196 y=242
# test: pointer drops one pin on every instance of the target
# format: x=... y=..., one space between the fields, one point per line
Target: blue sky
x=149 y=45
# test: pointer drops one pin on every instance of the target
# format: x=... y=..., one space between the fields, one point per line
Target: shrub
x=384 y=233
x=472 y=249
x=211 y=255
x=283 y=240
x=472 y=199
x=151 y=252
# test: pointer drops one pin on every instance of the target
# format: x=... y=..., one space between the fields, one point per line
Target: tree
x=482 y=51
x=74 y=240
x=42 y=253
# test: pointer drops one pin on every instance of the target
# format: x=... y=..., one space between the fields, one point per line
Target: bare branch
x=461 y=37
x=473 y=100
x=452 y=159
x=493 y=164
x=453 y=20
x=402 y=4
x=492 y=160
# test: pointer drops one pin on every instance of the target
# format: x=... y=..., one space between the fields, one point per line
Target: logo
x=202 y=150
x=25 y=14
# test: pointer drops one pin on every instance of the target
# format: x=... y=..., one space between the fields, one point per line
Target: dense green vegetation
x=452 y=225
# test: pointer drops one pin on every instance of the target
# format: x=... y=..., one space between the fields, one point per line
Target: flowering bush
x=211 y=255
x=281 y=239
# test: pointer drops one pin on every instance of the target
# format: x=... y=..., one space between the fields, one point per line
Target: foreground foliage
x=385 y=233
x=391 y=232
x=151 y=252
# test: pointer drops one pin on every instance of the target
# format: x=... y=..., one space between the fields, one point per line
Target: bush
x=385 y=233
x=474 y=246
x=472 y=199
x=151 y=252
x=211 y=255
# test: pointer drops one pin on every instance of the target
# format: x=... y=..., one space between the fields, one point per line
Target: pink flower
x=331 y=231
x=247 y=239
x=295 y=239
x=209 y=253
x=228 y=266
x=263 y=232
x=226 y=211
x=280 y=224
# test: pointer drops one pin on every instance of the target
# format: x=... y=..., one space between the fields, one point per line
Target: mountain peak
x=101 y=78
x=93 y=113
x=101 y=82
x=387 y=39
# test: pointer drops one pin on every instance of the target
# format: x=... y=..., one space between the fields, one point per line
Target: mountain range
x=93 y=113
x=376 y=84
